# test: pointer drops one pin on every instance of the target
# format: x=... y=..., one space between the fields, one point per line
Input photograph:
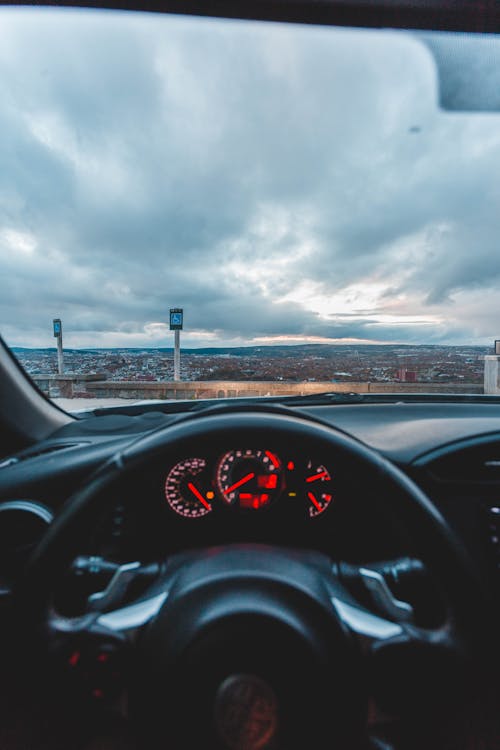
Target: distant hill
x=284 y=350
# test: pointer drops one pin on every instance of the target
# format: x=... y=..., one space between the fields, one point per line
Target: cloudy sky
x=282 y=184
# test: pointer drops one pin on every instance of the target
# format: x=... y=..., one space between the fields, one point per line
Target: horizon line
x=249 y=346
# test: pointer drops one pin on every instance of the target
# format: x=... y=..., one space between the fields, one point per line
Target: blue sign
x=57 y=327
x=176 y=319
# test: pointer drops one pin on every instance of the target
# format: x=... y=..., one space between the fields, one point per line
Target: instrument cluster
x=248 y=481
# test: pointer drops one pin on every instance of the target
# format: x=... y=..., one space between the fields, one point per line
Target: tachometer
x=187 y=488
x=249 y=478
x=318 y=488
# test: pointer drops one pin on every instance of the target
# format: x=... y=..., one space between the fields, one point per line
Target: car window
x=289 y=204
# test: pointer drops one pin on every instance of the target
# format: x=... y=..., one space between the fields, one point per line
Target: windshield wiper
x=311 y=399
x=326 y=397
x=387 y=398
x=184 y=407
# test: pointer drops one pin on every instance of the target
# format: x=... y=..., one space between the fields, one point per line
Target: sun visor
x=468 y=70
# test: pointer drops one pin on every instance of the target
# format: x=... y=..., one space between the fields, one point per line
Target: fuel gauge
x=318 y=488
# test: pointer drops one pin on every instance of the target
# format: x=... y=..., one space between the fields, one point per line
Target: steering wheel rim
x=446 y=557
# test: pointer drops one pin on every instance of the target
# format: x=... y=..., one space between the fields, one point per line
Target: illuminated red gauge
x=318 y=488
x=187 y=488
x=249 y=478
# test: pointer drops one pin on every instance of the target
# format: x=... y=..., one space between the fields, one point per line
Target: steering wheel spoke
x=91 y=655
x=410 y=666
x=112 y=611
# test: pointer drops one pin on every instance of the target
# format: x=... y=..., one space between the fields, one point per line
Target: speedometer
x=187 y=488
x=249 y=478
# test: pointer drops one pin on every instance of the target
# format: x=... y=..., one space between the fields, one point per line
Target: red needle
x=317 y=476
x=239 y=483
x=314 y=502
x=198 y=495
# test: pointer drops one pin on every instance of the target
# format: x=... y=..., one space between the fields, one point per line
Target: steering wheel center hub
x=236 y=650
x=246 y=712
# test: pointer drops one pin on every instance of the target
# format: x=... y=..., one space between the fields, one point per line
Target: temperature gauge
x=318 y=489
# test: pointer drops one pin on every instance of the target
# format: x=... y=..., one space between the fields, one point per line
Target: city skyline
x=385 y=363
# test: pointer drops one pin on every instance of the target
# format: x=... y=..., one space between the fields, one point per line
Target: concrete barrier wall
x=95 y=386
x=68 y=386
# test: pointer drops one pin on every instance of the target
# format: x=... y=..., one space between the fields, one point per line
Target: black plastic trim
x=445 y=450
x=452 y=15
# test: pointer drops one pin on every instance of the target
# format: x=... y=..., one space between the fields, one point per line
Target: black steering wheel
x=248 y=646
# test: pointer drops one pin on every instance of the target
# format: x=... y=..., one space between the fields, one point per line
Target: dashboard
x=265 y=493
x=203 y=496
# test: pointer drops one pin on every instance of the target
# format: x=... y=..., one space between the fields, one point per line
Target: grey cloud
x=169 y=140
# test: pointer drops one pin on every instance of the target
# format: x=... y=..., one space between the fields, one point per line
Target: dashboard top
x=402 y=431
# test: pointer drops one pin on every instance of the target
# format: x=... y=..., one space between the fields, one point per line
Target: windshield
x=195 y=208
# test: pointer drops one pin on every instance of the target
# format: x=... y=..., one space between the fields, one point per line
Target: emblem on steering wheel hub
x=246 y=712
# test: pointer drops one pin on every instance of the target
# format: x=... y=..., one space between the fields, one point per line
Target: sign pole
x=176 y=324
x=58 y=335
x=177 y=355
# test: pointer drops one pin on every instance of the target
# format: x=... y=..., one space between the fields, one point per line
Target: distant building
x=406 y=376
